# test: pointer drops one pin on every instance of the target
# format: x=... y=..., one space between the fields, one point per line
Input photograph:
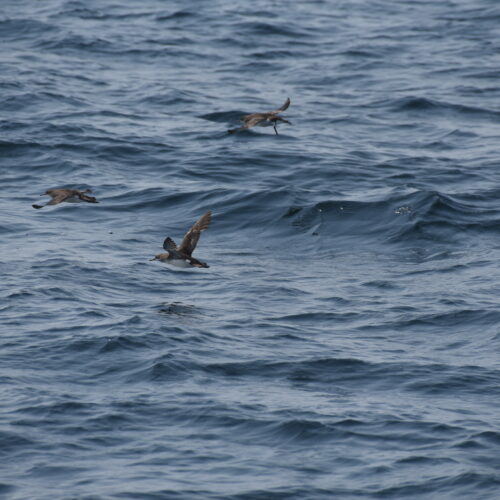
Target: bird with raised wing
x=271 y=118
x=181 y=256
x=66 y=195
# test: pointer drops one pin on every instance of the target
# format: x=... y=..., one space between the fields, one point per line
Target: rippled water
x=344 y=341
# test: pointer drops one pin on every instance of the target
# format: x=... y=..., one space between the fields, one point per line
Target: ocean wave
x=257 y=28
x=25 y=28
x=342 y=343
x=434 y=106
x=397 y=218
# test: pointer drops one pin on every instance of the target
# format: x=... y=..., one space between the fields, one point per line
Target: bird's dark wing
x=169 y=244
x=86 y=197
x=283 y=108
x=253 y=119
x=191 y=238
x=59 y=196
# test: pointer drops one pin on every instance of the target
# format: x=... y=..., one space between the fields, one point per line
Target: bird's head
x=282 y=120
x=160 y=256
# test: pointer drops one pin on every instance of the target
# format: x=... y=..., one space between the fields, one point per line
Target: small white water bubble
x=402 y=210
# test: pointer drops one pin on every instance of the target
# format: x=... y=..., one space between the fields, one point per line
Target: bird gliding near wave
x=271 y=118
x=180 y=256
x=68 y=195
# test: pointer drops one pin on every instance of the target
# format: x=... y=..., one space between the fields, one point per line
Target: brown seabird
x=180 y=256
x=271 y=118
x=68 y=195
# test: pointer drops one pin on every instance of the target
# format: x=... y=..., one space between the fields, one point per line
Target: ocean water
x=344 y=343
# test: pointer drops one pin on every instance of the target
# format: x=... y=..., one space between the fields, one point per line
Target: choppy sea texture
x=344 y=342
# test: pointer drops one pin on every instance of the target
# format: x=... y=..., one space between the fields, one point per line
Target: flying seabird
x=69 y=195
x=180 y=256
x=271 y=118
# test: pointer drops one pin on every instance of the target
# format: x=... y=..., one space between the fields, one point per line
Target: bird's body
x=168 y=259
x=268 y=119
x=180 y=256
x=68 y=196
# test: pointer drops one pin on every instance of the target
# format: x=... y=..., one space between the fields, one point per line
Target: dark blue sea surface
x=344 y=343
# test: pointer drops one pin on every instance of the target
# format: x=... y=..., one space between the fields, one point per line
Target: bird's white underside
x=178 y=262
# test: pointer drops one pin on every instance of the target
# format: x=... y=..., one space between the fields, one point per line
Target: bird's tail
x=198 y=263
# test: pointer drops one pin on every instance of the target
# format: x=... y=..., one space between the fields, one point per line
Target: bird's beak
x=154 y=258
